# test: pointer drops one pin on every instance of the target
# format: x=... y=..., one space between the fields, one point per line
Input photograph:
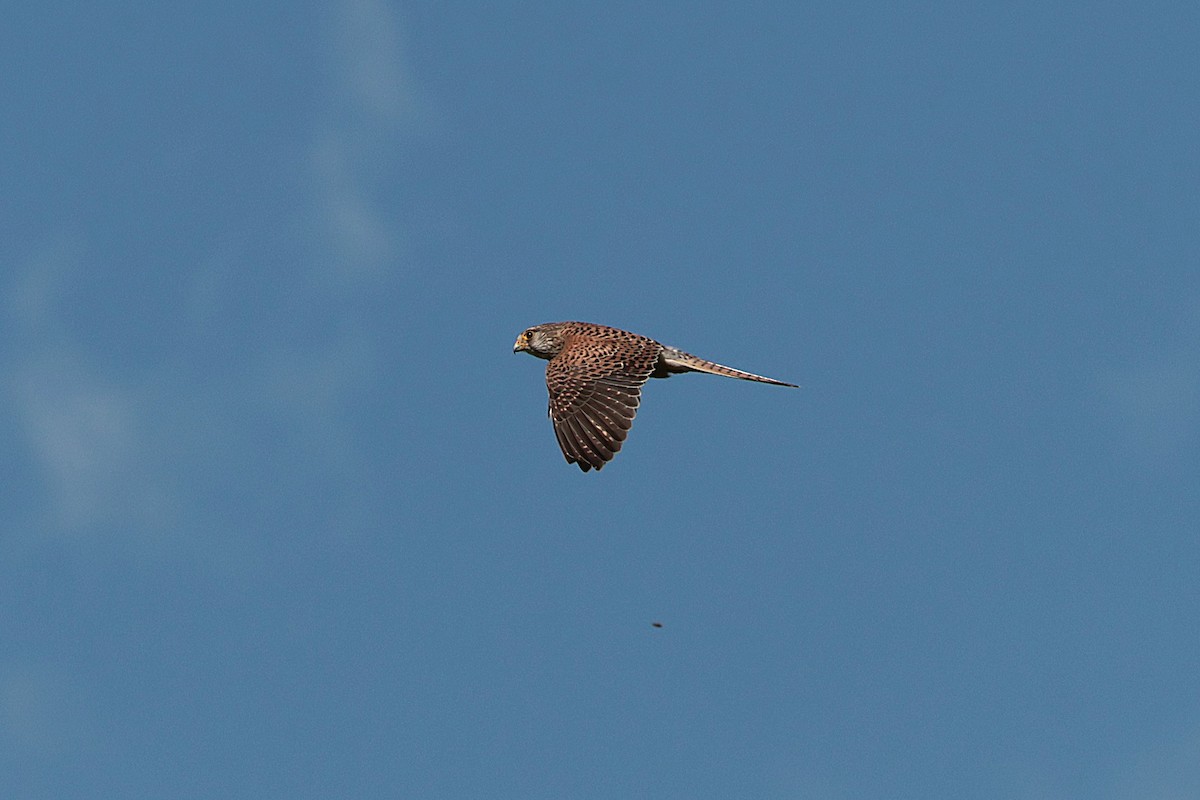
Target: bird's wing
x=595 y=387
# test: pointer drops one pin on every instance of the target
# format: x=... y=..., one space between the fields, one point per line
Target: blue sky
x=284 y=517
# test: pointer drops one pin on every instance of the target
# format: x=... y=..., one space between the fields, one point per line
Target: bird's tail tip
x=685 y=362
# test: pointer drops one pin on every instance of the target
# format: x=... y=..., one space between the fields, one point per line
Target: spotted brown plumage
x=595 y=378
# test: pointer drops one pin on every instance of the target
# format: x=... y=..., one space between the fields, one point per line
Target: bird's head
x=543 y=341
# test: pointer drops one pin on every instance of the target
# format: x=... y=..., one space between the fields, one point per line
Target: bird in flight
x=595 y=378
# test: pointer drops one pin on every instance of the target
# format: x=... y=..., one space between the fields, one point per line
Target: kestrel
x=595 y=378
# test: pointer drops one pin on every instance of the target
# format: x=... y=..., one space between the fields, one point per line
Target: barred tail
x=673 y=360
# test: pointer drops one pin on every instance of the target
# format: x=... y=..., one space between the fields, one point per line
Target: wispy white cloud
x=84 y=434
x=367 y=61
x=82 y=431
x=1156 y=399
x=40 y=716
x=129 y=462
x=33 y=296
x=370 y=101
x=119 y=452
x=1170 y=771
x=355 y=240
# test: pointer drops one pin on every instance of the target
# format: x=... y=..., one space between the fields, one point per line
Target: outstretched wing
x=595 y=387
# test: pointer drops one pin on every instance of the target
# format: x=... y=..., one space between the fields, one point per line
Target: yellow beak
x=522 y=343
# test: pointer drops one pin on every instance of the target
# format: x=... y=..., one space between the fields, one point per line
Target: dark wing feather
x=590 y=451
x=595 y=385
